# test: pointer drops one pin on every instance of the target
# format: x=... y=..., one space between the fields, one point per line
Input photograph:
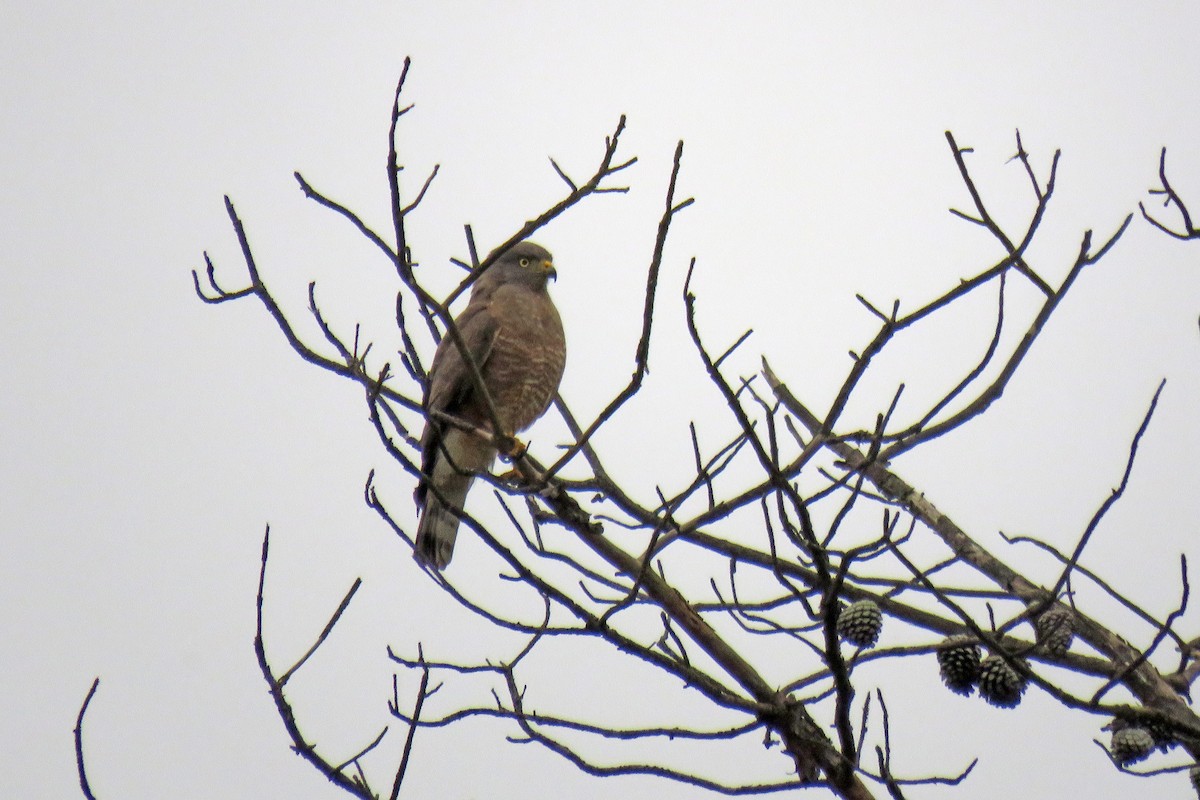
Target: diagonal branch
x=1144 y=682
x=333 y=620
x=993 y=391
x=642 y=352
x=985 y=219
x=300 y=745
x=1113 y=496
x=590 y=187
x=422 y=693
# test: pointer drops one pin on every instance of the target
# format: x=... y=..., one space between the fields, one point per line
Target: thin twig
x=422 y=693
x=1113 y=496
x=84 y=786
x=333 y=620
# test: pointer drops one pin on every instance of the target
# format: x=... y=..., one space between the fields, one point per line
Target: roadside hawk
x=514 y=335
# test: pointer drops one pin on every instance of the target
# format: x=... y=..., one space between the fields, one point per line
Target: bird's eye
x=524 y=262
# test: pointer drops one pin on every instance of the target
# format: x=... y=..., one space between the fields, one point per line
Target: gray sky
x=147 y=438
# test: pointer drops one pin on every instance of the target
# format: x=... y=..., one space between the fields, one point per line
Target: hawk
x=515 y=337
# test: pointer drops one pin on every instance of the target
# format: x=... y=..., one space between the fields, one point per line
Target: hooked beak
x=548 y=268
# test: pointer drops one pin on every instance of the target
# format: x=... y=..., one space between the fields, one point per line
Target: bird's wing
x=450 y=379
x=451 y=384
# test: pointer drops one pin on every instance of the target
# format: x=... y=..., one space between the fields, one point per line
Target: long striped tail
x=438 y=526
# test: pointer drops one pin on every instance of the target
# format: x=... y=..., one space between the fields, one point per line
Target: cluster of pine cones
x=962 y=664
x=964 y=668
x=1000 y=680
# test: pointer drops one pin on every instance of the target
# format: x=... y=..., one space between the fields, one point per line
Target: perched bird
x=514 y=335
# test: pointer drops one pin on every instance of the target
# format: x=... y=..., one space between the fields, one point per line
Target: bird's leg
x=511 y=450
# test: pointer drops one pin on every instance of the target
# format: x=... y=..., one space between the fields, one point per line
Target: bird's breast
x=526 y=363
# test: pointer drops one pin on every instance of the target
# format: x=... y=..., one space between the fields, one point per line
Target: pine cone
x=860 y=622
x=1130 y=745
x=1000 y=684
x=1162 y=733
x=958 y=657
x=1055 y=630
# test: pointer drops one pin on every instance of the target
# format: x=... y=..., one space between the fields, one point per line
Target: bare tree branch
x=734 y=573
x=1170 y=198
x=300 y=745
x=84 y=786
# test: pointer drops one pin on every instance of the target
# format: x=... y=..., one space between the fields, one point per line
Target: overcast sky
x=147 y=438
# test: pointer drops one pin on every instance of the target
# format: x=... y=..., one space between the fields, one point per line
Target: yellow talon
x=514 y=448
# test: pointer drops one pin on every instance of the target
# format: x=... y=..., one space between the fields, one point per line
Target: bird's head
x=524 y=263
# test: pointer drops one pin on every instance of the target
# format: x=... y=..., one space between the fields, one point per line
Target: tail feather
x=438 y=526
x=449 y=459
